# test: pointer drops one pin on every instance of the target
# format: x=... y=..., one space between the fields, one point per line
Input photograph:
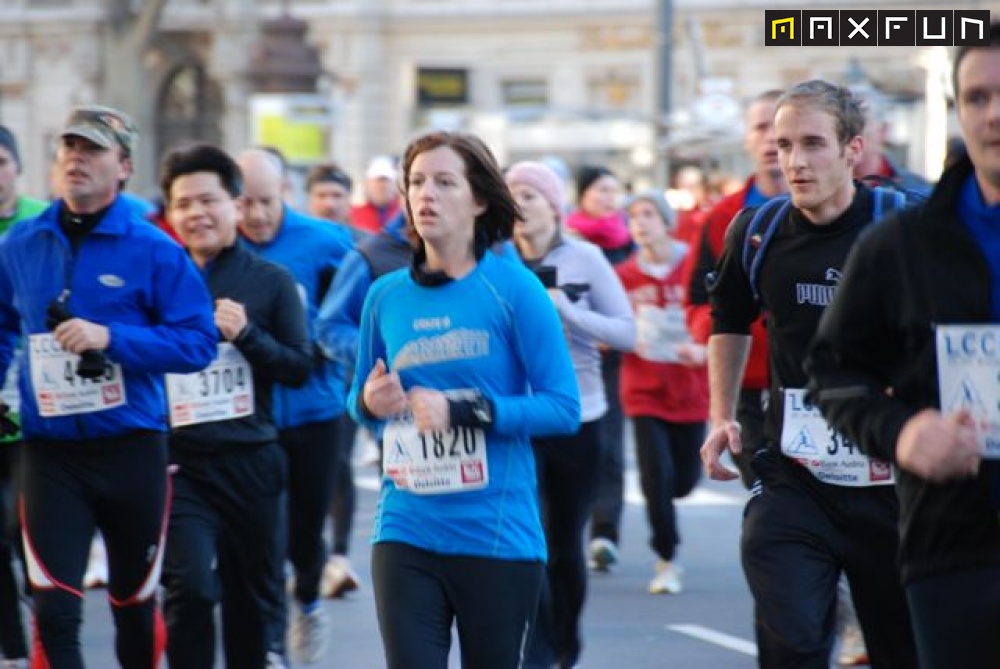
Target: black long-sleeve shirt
x=914 y=272
x=799 y=274
x=275 y=342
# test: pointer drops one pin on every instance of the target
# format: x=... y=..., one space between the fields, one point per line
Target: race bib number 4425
x=57 y=388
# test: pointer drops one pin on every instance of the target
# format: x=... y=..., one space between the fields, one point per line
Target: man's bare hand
x=230 y=318
x=77 y=335
x=939 y=447
x=724 y=435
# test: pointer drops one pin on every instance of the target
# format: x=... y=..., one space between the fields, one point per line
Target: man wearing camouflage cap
x=105 y=304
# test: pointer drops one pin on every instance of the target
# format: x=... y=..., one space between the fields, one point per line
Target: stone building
x=576 y=78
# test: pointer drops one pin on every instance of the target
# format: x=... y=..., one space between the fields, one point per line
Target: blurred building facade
x=575 y=78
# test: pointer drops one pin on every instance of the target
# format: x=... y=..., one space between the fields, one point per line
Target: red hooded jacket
x=709 y=249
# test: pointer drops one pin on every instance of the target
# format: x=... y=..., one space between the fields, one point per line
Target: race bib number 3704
x=221 y=391
x=57 y=388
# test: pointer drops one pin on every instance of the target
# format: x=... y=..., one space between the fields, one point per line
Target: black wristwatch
x=473 y=412
x=482 y=409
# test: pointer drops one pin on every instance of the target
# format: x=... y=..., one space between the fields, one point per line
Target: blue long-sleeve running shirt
x=494 y=330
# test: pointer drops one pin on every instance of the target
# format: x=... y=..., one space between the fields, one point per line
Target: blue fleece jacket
x=127 y=275
x=312 y=250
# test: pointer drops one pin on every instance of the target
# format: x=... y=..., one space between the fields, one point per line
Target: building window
x=189 y=109
x=613 y=91
x=525 y=92
x=442 y=87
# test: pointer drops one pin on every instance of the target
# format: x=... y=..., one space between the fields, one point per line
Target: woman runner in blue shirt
x=461 y=360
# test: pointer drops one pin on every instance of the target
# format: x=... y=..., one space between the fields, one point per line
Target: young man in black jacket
x=905 y=364
x=819 y=508
x=230 y=470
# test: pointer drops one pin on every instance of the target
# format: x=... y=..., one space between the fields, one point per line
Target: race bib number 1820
x=434 y=462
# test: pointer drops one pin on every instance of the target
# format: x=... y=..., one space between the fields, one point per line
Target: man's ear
x=125 y=168
x=855 y=147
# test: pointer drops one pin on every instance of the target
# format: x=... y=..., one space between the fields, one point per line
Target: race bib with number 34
x=828 y=455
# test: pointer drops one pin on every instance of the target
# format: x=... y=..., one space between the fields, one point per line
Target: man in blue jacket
x=307 y=417
x=105 y=304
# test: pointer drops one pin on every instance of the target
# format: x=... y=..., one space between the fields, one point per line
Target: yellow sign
x=301 y=142
x=440 y=86
x=779 y=26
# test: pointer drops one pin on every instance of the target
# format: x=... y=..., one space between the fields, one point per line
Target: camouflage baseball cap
x=103 y=126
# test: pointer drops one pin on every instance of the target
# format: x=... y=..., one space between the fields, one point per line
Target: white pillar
x=935 y=63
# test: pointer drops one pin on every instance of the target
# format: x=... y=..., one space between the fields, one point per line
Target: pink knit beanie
x=542 y=178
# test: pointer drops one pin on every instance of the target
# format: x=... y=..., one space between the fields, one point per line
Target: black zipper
x=66 y=295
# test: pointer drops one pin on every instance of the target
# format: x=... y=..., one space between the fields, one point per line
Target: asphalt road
x=708 y=625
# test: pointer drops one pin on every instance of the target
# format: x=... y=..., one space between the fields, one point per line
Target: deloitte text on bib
x=828 y=455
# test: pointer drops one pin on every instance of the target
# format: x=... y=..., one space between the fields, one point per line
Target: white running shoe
x=275 y=661
x=853 y=652
x=667 y=580
x=603 y=554
x=308 y=636
x=96 y=575
x=367 y=445
x=338 y=578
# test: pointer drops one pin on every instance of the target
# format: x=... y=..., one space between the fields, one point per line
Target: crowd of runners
x=186 y=383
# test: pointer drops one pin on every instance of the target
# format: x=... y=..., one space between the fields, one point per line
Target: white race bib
x=59 y=391
x=659 y=330
x=10 y=395
x=428 y=463
x=968 y=365
x=828 y=455
x=221 y=391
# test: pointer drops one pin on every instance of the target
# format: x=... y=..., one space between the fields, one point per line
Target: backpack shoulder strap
x=759 y=232
x=886 y=200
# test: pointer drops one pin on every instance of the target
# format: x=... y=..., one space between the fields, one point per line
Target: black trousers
x=568 y=476
x=116 y=485
x=750 y=411
x=798 y=536
x=313 y=457
x=607 y=516
x=13 y=642
x=222 y=549
x=344 y=498
x=420 y=594
x=956 y=618
x=669 y=468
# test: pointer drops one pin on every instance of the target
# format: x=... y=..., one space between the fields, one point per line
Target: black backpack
x=763 y=226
